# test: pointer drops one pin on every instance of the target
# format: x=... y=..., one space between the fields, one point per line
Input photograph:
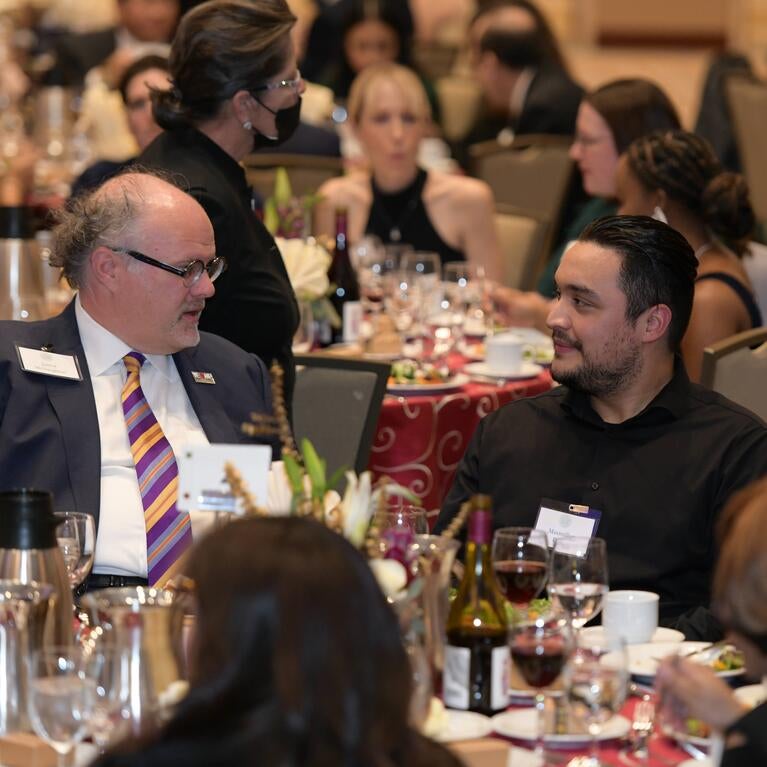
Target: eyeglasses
x=190 y=273
x=295 y=84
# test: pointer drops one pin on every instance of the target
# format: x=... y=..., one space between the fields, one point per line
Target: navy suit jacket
x=49 y=433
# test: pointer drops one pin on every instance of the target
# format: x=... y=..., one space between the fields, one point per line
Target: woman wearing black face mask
x=235 y=89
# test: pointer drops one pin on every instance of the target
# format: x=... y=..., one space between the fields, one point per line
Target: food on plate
x=728 y=659
x=535 y=609
x=405 y=372
x=697 y=728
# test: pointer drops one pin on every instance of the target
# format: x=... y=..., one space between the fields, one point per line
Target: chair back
x=521 y=236
x=748 y=104
x=737 y=368
x=306 y=172
x=336 y=404
x=755 y=264
x=434 y=58
x=532 y=173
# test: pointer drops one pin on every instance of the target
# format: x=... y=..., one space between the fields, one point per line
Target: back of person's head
x=407 y=81
x=220 y=48
x=150 y=21
x=520 y=17
x=296 y=655
x=686 y=168
x=740 y=578
x=658 y=266
x=514 y=49
x=632 y=108
x=139 y=66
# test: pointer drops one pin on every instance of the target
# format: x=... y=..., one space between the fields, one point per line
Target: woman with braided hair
x=676 y=177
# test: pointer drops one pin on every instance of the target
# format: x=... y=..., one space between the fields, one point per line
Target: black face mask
x=286 y=121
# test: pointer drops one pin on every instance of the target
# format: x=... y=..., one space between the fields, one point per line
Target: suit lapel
x=215 y=421
x=75 y=408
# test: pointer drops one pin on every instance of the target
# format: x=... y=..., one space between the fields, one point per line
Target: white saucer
x=525 y=370
x=661 y=634
x=463 y=725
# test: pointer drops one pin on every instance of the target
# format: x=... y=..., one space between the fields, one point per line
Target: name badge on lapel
x=202 y=377
x=49 y=363
x=559 y=518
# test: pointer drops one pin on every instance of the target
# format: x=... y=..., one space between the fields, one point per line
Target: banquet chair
x=737 y=368
x=459 y=99
x=435 y=59
x=336 y=404
x=522 y=236
x=748 y=105
x=532 y=173
x=306 y=172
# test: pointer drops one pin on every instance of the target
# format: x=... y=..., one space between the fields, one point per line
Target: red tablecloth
x=421 y=439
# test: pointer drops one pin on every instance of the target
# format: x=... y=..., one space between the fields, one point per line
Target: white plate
x=696 y=763
x=526 y=370
x=456 y=382
x=643 y=658
x=522 y=725
x=752 y=694
x=464 y=725
x=661 y=634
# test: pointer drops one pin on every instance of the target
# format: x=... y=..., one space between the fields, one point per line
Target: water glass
x=109 y=668
x=578 y=577
x=61 y=697
x=303 y=340
x=76 y=535
x=596 y=684
x=521 y=562
x=375 y=271
x=468 y=286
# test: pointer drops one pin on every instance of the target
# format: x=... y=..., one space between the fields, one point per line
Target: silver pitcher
x=24 y=611
x=144 y=623
x=30 y=553
x=22 y=295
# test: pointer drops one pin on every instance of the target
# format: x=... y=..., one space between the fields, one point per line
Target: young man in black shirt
x=627 y=435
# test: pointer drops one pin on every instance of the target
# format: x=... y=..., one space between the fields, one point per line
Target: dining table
x=423 y=433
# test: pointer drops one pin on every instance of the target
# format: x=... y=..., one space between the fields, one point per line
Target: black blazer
x=254 y=305
x=49 y=431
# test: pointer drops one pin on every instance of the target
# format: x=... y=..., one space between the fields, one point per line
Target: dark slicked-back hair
x=658 y=266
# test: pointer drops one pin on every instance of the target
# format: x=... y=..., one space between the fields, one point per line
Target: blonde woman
x=396 y=200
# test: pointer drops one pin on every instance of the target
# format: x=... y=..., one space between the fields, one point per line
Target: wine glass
x=521 y=562
x=443 y=329
x=398 y=527
x=596 y=683
x=403 y=304
x=303 y=339
x=109 y=668
x=424 y=269
x=540 y=647
x=468 y=285
x=76 y=535
x=578 y=577
x=61 y=697
x=375 y=270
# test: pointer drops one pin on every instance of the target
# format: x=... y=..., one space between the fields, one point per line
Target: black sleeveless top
x=745 y=295
x=402 y=218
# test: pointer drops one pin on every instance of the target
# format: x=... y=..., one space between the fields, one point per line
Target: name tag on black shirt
x=559 y=518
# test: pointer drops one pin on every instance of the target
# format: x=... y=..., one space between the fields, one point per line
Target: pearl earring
x=248 y=125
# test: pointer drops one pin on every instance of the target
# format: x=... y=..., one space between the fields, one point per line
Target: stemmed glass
x=578 y=577
x=596 y=683
x=403 y=304
x=61 y=697
x=521 y=562
x=398 y=527
x=109 y=668
x=376 y=268
x=424 y=269
x=303 y=339
x=539 y=649
x=443 y=329
x=467 y=284
x=76 y=535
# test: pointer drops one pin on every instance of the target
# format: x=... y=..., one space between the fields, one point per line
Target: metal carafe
x=30 y=553
x=146 y=624
x=22 y=295
x=24 y=611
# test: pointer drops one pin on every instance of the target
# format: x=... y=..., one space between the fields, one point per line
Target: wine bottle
x=477 y=652
x=341 y=274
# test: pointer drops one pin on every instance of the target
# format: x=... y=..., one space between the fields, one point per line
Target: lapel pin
x=202 y=377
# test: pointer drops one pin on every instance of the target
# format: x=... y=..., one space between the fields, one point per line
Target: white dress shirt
x=121 y=539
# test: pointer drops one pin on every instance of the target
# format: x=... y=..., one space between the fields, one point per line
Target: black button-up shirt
x=660 y=478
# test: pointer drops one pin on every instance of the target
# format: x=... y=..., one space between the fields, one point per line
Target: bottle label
x=499 y=688
x=455 y=679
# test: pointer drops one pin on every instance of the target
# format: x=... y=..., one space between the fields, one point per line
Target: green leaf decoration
x=315 y=468
x=294 y=474
x=282 y=190
x=271 y=217
x=335 y=478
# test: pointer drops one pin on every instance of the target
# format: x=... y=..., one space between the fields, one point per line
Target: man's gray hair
x=100 y=217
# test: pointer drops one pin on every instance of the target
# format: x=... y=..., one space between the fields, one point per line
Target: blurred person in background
x=396 y=200
x=676 y=177
x=609 y=119
x=236 y=89
x=139 y=79
x=144 y=27
x=296 y=659
x=691 y=690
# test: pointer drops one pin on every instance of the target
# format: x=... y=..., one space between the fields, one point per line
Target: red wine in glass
x=520 y=580
x=539 y=661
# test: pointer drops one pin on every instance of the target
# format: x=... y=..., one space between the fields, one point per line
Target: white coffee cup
x=504 y=353
x=632 y=615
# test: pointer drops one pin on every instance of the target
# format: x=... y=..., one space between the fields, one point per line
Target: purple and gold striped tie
x=168 y=531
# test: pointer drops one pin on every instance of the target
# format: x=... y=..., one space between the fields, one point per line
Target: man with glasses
x=96 y=403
